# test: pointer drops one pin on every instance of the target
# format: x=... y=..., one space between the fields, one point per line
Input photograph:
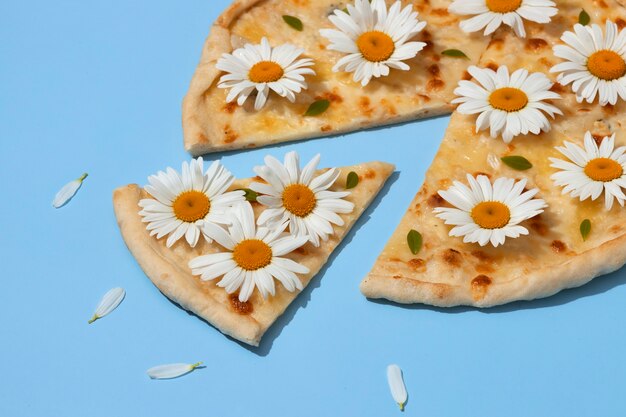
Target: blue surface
x=97 y=87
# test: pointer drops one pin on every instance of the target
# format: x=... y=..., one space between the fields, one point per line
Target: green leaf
x=249 y=195
x=317 y=107
x=584 y=18
x=294 y=22
x=414 y=239
x=517 y=162
x=454 y=53
x=352 y=180
x=585 y=228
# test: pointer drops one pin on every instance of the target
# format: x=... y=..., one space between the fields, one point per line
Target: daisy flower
x=491 y=14
x=263 y=68
x=486 y=213
x=592 y=170
x=595 y=64
x=507 y=105
x=374 y=39
x=296 y=196
x=253 y=257
x=184 y=204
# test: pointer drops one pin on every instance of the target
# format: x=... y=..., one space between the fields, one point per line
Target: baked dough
x=247 y=321
x=448 y=272
x=210 y=124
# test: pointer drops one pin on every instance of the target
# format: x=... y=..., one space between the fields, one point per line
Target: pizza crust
x=167 y=267
x=212 y=125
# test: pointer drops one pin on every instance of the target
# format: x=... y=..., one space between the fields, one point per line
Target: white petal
x=396 y=385
x=109 y=302
x=173 y=370
x=68 y=191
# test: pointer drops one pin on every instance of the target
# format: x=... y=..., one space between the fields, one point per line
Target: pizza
x=235 y=257
x=419 y=83
x=522 y=208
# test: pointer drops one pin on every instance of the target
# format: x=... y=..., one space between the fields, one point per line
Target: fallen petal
x=396 y=385
x=173 y=370
x=109 y=302
x=68 y=191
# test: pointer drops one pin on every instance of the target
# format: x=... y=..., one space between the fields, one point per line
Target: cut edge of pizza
x=247 y=321
x=330 y=103
x=446 y=252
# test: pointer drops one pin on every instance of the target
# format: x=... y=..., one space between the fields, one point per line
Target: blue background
x=97 y=87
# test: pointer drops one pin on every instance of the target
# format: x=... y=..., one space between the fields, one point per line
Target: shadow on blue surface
x=303 y=298
x=598 y=285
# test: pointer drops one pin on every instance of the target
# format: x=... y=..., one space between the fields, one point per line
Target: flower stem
x=94 y=318
x=82 y=177
x=401 y=406
x=195 y=365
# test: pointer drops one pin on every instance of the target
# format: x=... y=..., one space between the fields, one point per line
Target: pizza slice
x=195 y=236
x=296 y=40
x=506 y=215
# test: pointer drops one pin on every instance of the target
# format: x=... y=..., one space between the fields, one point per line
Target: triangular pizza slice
x=499 y=222
x=425 y=69
x=190 y=276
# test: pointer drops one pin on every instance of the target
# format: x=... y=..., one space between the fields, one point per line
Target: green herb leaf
x=585 y=228
x=317 y=107
x=454 y=53
x=517 y=162
x=294 y=22
x=249 y=195
x=352 y=180
x=583 y=18
x=414 y=239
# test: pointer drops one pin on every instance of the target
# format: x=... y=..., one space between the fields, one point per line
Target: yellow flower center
x=606 y=65
x=265 y=72
x=503 y=6
x=508 y=99
x=491 y=214
x=252 y=254
x=191 y=206
x=376 y=46
x=603 y=169
x=299 y=200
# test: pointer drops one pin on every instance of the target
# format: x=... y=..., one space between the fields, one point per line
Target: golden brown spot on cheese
x=230 y=136
x=241 y=307
x=480 y=285
x=441 y=290
x=435 y=84
x=538 y=226
x=484 y=269
x=597 y=138
x=191 y=206
x=492 y=66
x=535 y=44
x=369 y=174
x=495 y=43
x=364 y=105
x=202 y=138
x=440 y=12
x=603 y=4
x=435 y=200
x=452 y=257
x=621 y=23
x=434 y=70
x=417 y=264
x=301 y=251
x=466 y=76
x=424 y=97
x=481 y=256
x=557 y=88
x=608 y=108
x=331 y=96
x=616 y=228
x=230 y=107
x=558 y=246
x=326 y=128
x=545 y=62
x=607 y=65
x=390 y=108
x=603 y=169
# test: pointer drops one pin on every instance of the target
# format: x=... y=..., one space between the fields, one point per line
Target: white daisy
x=184 y=204
x=486 y=213
x=595 y=64
x=253 y=258
x=592 y=170
x=263 y=68
x=507 y=105
x=295 y=196
x=373 y=38
x=491 y=14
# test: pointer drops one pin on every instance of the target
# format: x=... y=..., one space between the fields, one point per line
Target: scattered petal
x=68 y=191
x=396 y=385
x=109 y=302
x=173 y=370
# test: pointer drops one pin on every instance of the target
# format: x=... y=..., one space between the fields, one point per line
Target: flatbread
x=448 y=272
x=211 y=125
x=247 y=321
